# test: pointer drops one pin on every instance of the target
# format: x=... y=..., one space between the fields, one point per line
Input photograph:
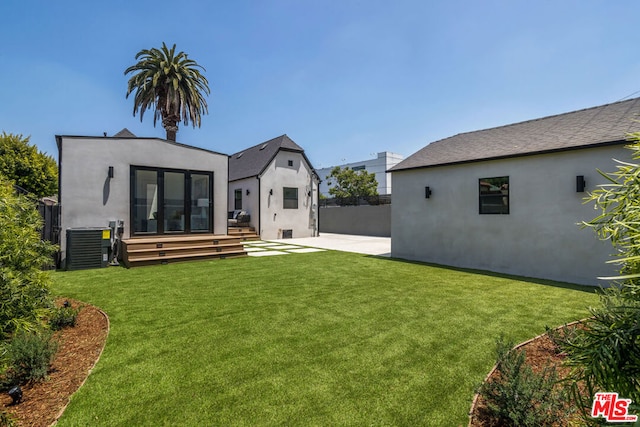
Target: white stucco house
x=508 y=199
x=154 y=186
x=275 y=183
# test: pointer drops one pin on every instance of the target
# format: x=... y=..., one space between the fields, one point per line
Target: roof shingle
x=608 y=123
x=253 y=160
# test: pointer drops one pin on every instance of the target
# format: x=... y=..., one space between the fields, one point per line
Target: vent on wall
x=87 y=248
x=287 y=234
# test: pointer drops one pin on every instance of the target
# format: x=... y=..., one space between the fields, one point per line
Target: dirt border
x=476 y=396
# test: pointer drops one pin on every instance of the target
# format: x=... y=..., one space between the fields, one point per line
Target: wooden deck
x=246 y=233
x=166 y=249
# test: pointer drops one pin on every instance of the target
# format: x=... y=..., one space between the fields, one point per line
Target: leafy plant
x=24 y=287
x=6 y=420
x=30 y=355
x=518 y=396
x=606 y=353
x=62 y=317
x=27 y=167
x=351 y=185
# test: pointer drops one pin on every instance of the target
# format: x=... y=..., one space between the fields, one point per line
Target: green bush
x=6 y=420
x=24 y=287
x=605 y=355
x=29 y=356
x=63 y=317
x=517 y=396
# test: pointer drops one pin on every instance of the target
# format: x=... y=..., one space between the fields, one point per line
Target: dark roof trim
x=514 y=156
x=582 y=128
x=179 y=144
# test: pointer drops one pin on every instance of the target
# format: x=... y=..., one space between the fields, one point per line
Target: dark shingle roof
x=605 y=124
x=253 y=160
x=124 y=133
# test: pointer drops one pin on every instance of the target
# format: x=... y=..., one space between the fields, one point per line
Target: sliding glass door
x=200 y=202
x=169 y=201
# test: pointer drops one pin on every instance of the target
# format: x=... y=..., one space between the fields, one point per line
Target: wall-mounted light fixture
x=110 y=171
x=271 y=192
x=580 y=184
x=248 y=192
x=427 y=192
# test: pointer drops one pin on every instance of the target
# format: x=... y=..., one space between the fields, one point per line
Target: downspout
x=259 y=204
x=226 y=211
x=317 y=203
x=61 y=235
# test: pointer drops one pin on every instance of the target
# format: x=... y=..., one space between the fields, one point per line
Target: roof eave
x=511 y=156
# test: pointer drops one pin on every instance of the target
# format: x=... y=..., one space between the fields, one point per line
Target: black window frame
x=287 y=198
x=160 y=230
x=237 y=201
x=494 y=196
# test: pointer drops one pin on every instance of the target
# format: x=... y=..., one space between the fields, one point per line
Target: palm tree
x=171 y=84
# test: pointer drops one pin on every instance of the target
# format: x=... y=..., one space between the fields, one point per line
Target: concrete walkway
x=369 y=245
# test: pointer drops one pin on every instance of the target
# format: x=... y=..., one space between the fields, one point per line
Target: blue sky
x=345 y=79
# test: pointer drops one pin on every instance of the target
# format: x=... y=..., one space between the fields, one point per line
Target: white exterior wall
x=250 y=202
x=378 y=166
x=90 y=199
x=273 y=217
x=538 y=238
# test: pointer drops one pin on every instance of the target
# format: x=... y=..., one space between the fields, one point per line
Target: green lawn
x=327 y=338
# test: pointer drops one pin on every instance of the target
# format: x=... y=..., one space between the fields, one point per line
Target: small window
x=237 y=197
x=494 y=195
x=358 y=168
x=290 y=198
x=290 y=162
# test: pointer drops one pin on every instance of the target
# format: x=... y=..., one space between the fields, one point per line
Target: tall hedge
x=26 y=166
x=24 y=286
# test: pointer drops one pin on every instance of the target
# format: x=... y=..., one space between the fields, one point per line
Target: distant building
x=385 y=161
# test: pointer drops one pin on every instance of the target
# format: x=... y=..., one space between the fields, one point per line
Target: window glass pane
x=145 y=202
x=237 y=196
x=200 y=202
x=174 y=201
x=494 y=195
x=290 y=198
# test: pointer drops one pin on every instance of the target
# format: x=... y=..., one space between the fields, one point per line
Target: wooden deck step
x=165 y=249
x=246 y=233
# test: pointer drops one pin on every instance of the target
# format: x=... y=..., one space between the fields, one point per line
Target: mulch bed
x=541 y=353
x=80 y=348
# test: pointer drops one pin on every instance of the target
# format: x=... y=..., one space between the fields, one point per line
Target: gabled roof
x=253 y=161
x=603 y=125
x=124 y=133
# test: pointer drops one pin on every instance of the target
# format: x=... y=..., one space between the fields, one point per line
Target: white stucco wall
x=249 y=201
x=90 y=199
x=273 y=217
x=538 y=238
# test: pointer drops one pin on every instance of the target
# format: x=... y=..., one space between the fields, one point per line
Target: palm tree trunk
x=170 y=124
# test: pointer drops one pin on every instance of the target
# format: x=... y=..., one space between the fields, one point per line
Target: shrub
x=517 y=396
x=605 y=354
x=29 y=356
x=63 y=317
x=24 y=287
x=6 y=420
